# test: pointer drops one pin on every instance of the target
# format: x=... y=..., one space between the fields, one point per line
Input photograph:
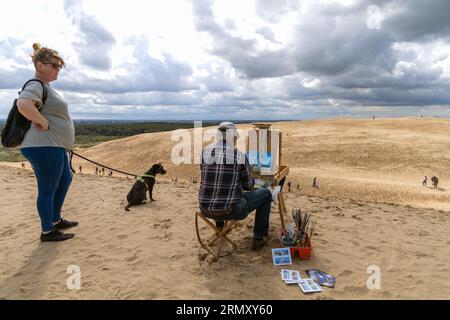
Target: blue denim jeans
x=259 y=200
x=52 y=170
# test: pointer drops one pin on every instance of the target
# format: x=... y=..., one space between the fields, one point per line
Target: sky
x=234 y=59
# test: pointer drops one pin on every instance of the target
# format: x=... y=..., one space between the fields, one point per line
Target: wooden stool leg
x=219 y=235
x=228 y=226
x=284 y=204
x=198 y=236
x=281 y=208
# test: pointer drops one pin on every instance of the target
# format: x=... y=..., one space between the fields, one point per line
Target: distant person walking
x=81 y=169
x=289 y=186
x=298 y=186
x=23 y=165
x=47 y=142
x=314 y=184
x=424 y=182
x=96 y=171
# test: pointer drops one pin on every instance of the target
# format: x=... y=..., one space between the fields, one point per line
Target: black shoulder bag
x=17 y=125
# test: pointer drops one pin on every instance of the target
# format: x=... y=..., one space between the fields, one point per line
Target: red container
x=304 y=253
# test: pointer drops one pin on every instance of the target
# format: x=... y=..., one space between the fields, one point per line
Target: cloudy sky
x=235 y=59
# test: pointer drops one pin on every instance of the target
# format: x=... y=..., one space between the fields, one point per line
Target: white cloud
x=233 y=58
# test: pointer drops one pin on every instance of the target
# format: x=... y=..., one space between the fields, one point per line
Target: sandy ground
x=370 y=209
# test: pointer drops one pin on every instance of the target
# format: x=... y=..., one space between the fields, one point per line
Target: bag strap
x=44 y=89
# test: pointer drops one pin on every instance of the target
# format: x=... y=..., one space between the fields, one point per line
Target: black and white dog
x=138 y=192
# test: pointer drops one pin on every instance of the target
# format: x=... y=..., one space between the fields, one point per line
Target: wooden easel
x=282 y=173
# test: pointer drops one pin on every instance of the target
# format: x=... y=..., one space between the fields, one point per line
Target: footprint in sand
x=423 y=255
x=132 y=258
x=346 y=273
x=7 y=233
x=357 y=290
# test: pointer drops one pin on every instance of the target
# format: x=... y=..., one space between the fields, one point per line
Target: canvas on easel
x=264 y=151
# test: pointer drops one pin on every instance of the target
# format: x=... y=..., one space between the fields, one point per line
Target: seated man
x=225 y=173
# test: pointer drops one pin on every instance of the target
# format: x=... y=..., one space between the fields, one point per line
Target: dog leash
x=72 y=153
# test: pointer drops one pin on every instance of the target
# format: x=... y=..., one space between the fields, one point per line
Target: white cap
x=227 y=126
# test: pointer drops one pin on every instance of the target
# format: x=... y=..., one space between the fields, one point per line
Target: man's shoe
x=56 y=235
x=220 y=225
x=65 y=224
x=258 y=243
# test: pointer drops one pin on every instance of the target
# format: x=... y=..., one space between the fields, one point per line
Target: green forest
x=90 y=133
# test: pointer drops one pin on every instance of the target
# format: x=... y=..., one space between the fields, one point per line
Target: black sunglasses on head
x=56 y=66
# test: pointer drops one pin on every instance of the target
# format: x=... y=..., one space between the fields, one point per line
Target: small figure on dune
x=289 y=186
x=103 y=171
x=81 y=169
x=298 y=186
x=23 y=165
x=96 y=171
x=424 y=182
x=435 y=181
x=314 y=184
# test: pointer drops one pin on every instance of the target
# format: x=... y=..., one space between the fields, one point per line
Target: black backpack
x=17 y=125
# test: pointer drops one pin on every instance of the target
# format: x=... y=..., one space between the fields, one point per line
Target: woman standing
x=47 y=142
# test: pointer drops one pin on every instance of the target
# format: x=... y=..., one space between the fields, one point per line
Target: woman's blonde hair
x=44 y=55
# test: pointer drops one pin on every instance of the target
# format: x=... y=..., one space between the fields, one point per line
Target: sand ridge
x=382 y=160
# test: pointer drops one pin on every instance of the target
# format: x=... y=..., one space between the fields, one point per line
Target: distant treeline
x=124 y=129
x=90 y=133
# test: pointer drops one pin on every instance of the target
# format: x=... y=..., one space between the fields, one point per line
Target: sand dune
x=380 y=161
x=152 y=251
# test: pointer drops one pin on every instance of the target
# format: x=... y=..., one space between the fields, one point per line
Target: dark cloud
x=95 y=42
x=14 y=79
x=147 y=74
x=417 y=19
x=217 y=79
x=240 y=53
x=147 y=99
x=335 y=44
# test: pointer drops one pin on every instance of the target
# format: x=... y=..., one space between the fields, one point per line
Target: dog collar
x=146 y=176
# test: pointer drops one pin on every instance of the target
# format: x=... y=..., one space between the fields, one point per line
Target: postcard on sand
x=308 y=286
x=290 y=276
x=281 y=256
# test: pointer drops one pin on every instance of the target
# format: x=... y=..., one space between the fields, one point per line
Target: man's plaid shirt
x=225 y=173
